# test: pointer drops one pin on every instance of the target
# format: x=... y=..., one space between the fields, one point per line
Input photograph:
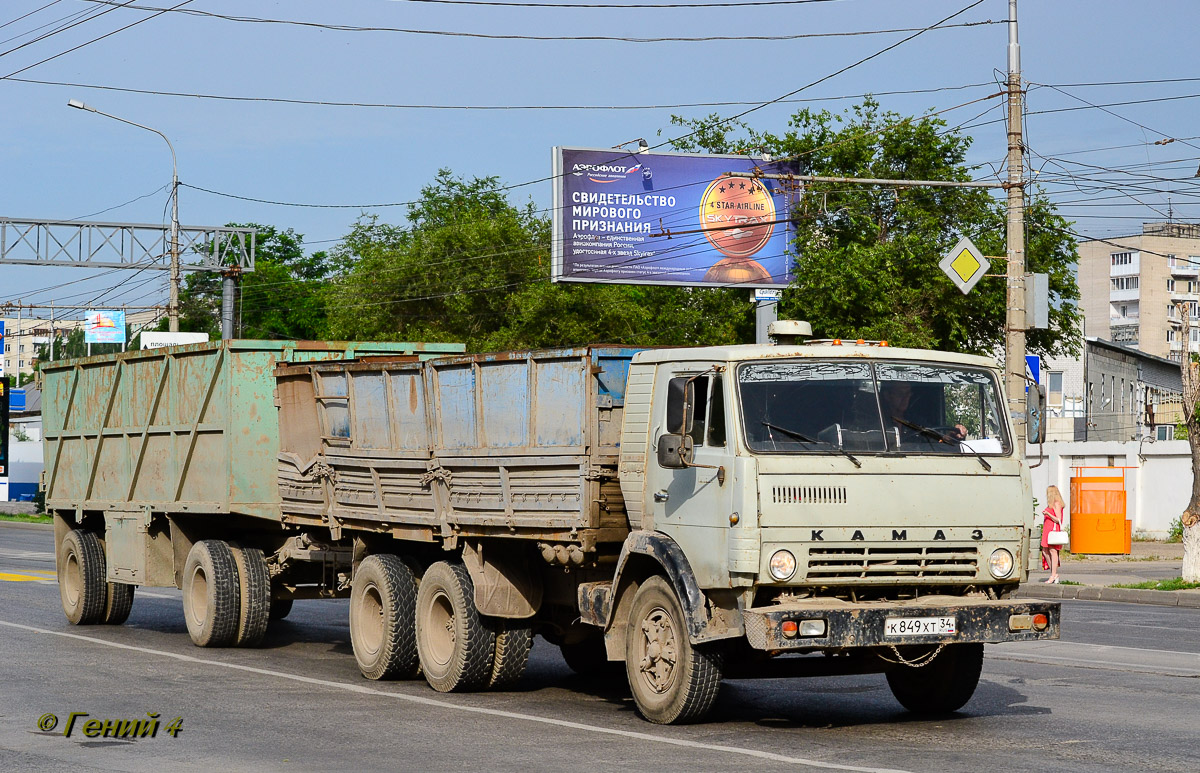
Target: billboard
x=104 y=327
x=3 y=349
x=157 y=340
x=668 y=219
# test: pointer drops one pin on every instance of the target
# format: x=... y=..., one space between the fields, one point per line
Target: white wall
x=25 y=467
x=1158 y=482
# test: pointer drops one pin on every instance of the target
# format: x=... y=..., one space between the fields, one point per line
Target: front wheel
x=672 y=680
x=942 y=685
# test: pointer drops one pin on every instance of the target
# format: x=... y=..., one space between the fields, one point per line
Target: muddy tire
x=280 y=608
x=118 y=604
x=383 y=618
x=943 y=685
x=211 y=596
x=456 y=648
x=81 y=578
x=514 y=640
x=254 y=596
x=672 y=680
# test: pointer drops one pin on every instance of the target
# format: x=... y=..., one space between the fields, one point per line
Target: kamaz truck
x=799 y=509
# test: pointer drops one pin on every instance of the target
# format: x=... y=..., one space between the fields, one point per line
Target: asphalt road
x=1121 y=691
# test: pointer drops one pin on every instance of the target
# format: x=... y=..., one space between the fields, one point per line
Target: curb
x=24 y=525
x=1189 y=599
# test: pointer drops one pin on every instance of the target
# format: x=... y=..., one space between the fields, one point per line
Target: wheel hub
x=658 y=662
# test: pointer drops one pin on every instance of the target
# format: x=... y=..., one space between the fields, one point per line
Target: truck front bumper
x=921 y=621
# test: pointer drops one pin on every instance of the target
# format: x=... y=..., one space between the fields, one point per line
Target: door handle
x=661 y=496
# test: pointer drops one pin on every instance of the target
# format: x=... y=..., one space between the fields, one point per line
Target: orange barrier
x=1097 y=521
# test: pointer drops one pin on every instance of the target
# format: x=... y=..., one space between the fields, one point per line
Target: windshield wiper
x=943 y=438
x=806 y=439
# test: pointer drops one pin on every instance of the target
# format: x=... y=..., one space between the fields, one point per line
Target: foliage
x=25 y=518
x=1175 y=583
x=282 y=298
x=868 y=255
x=1175 y=531
x=474 y=268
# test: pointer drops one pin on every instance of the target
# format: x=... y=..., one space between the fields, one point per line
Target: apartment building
x=1130 y=285
x=23 y=335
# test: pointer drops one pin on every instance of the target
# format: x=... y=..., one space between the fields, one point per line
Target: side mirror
x=674 y=451
x=1035 y=414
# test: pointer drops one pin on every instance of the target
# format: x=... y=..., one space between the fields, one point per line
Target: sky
x=1111 y=109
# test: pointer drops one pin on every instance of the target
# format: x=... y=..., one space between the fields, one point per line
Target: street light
x=173 y=304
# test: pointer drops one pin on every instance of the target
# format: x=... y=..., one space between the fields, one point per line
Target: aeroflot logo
x=898 y=535
x=604 y=173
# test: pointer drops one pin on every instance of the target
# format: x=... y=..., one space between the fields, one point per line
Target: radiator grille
x=808 y=495
x=890 y=562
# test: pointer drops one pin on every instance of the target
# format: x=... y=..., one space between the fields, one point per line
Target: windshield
x=805 y=406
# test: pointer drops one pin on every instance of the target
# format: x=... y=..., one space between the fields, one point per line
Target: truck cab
x=835 y=498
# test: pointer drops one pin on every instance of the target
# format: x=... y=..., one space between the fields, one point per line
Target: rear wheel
x=514 y=639
x=942 y=685
x=672 y=680
x=81 y=578
x=211 y=596
x=254 y=596
x=456 y=648
x=119 y=603
x=383 y=618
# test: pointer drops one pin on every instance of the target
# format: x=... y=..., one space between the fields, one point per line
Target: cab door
x=693 y=504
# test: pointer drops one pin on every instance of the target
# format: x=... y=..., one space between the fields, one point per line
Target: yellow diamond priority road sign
x=965 y=265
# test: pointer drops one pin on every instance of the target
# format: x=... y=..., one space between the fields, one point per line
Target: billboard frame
x=559 y=209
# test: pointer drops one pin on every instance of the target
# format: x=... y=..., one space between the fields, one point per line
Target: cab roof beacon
x=789 y=332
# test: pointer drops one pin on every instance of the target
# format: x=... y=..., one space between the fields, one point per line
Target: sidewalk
x=1147 y=561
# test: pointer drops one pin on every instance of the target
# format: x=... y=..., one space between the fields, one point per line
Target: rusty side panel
x=512 y=444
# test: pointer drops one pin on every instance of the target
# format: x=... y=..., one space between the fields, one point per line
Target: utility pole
x=1014 y=322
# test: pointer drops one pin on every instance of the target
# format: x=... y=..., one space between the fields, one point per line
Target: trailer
x=692 y=513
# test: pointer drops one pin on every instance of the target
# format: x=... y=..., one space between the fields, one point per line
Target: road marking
x=1107 y=657
x=363 y=689
x=10 y=577
x=26 y=555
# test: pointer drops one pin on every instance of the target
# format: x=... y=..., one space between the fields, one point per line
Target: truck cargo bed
x=518 y=444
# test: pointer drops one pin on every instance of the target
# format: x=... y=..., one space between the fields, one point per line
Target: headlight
x=783 y=564
x=1001 y=563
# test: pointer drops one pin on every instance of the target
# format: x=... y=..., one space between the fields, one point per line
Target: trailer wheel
x=514 y=640
x=280 y=608
x=254 y=596
x=210 y=594
x=81 y=578
x=119 y=603
x=382 y=618
x=672 y=680
x=456 y=648
x=941 y=686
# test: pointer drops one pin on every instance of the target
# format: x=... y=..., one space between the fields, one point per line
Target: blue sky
x=1100 y=163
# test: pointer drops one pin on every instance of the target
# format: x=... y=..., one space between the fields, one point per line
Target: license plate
x=919 y=626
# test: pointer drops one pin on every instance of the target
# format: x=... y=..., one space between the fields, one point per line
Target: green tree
x=282 y=298
x=868 y=255
x=472 y=267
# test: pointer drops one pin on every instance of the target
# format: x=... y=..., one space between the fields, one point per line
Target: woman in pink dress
x=1052 y=520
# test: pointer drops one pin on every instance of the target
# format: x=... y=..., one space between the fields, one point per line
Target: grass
x=26 y=518
x=1068 y=582
x=1175 y=583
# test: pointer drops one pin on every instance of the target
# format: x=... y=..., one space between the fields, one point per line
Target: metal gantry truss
x=124 y=245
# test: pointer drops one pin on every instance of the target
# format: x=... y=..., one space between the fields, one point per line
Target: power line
x=398 y=106
x=540 y=38
x=89 y=42
x=31 y=13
